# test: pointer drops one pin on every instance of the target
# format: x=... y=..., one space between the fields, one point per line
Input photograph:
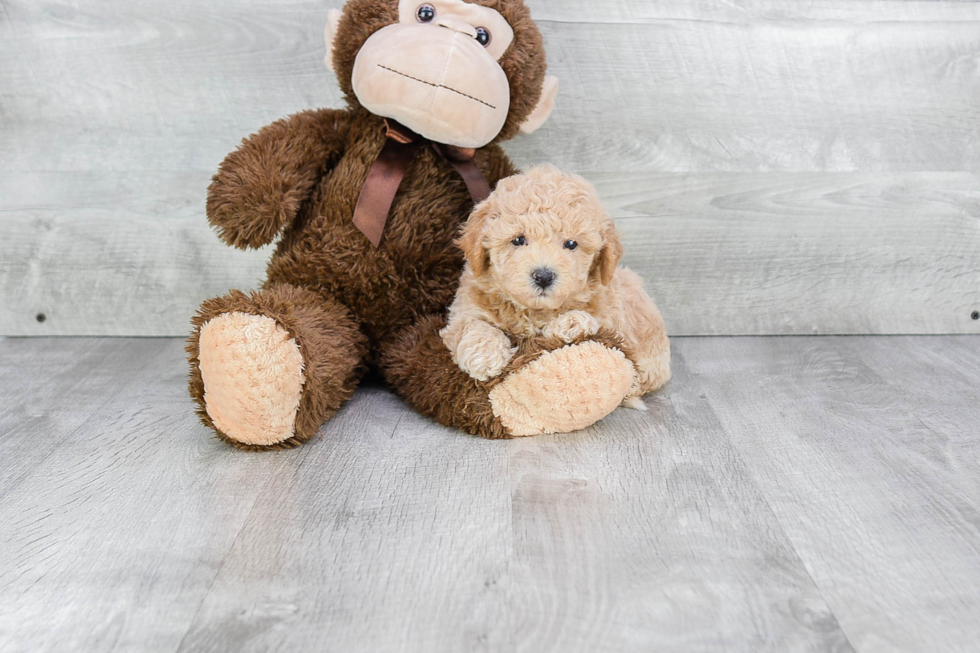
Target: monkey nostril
x=543 y=277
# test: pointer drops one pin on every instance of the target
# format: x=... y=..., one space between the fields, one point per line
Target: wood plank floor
x=782 y=494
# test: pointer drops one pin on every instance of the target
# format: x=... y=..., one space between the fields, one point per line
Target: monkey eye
x=483 y=36
x=520 y=241
x=425 y=13
x=571 y=244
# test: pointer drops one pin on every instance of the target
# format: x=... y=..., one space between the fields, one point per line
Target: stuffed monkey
x=366 y=203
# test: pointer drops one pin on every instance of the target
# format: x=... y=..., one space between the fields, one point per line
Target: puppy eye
x=425 y=13
x=571 y=244
x=520 y=241
x=483 y=36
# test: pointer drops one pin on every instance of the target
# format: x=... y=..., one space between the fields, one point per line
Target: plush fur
x=545 y=221
x=546 y=400
x=328 y=337
x=346 y=305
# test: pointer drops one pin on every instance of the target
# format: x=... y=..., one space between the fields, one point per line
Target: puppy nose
x=543 y=277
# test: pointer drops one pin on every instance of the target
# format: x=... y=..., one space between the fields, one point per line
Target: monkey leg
x=270 y=367
x=549 y=386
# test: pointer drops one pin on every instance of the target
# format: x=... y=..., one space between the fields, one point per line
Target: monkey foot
x=253 y=378
x=565 y=390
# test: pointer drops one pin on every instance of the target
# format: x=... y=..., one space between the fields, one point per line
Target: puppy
x=542 y=259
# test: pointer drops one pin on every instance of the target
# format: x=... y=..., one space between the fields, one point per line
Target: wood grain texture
x=758 y=94
x=112 y=540
x=393 y=535
x=724 y=253
x=139 y=263
x=645 y=532
x=867 y=453
x=743 y=86
x=813 y=154
x=605 y=541
x=816 y=253
x=49 y=392
x=745 y=11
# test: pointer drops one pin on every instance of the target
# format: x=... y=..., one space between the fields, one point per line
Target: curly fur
x=498 y=301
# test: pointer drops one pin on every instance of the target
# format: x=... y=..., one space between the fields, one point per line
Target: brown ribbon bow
x=385 y=176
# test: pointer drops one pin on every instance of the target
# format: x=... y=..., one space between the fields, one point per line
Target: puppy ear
x=471 y=240
x=609 y=256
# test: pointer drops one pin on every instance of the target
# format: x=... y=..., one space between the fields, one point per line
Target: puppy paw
x=571 y=325
x=484 y=351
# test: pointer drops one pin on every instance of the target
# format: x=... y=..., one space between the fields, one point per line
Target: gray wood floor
x=783 y=494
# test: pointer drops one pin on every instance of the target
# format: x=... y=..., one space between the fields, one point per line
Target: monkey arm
x=260 y=187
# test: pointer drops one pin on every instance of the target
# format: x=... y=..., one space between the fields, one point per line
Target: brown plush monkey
x=269 y=367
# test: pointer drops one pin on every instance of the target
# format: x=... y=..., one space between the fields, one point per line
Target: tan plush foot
x=253 y=378
x=564 y=390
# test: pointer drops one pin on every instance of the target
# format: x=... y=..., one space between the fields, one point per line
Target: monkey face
x=451 y=70
x=436 y=71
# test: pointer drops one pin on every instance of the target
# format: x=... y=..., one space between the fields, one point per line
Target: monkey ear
x=330 y=33
x=471 y=240
x=545 y=106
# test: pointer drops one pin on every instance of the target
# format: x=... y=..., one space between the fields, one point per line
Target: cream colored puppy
x=542 y=259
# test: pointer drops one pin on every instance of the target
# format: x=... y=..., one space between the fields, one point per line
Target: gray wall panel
x=778 y=167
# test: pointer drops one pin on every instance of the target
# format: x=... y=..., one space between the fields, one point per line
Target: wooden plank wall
x=778 y=166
